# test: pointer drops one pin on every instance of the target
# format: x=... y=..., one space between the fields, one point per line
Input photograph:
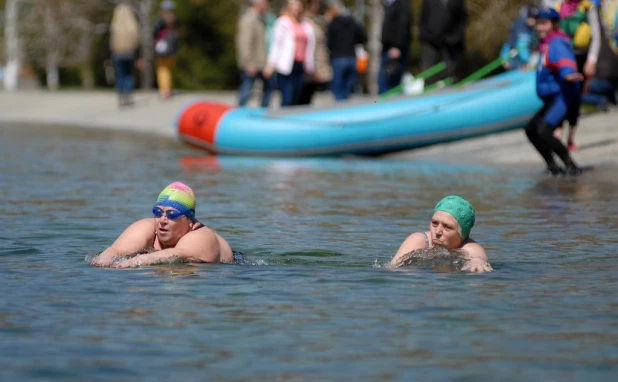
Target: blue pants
x=124 y=75
x=344 y=77
x=385 y=82
x=291 y=85
x=600 y=92
x=246 y=87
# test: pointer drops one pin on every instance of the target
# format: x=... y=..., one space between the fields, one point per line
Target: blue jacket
x=521 y=37
x=557 y=61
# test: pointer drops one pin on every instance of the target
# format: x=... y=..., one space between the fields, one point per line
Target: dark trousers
x=574 y=108
x=246 y=88
x=291 y=85
x=432 y=55
x=540 y=131
x=125 y=83
x=386 y=82
x=344 y=77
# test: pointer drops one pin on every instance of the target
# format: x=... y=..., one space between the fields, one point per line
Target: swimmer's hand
x=477 y=266
x=136 y=262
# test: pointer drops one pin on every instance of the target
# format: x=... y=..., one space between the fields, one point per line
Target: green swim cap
x=461 y=209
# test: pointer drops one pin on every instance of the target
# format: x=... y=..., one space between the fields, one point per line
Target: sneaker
x=572 y=146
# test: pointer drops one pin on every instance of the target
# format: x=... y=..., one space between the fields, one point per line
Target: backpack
x=576 y=25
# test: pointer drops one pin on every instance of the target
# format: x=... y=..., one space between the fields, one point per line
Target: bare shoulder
x=206 y=245
x=140 y=231
x=417 y=240
x=474 y=250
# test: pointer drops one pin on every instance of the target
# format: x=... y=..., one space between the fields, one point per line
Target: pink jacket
x=281 y=54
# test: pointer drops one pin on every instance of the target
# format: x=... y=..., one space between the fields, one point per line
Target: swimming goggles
x=170 y=214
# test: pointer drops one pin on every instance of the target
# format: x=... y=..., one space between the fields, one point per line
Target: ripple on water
x=321 y=305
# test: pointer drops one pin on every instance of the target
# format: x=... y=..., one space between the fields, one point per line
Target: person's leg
x=349 y=77
x=430 y=56
x=120 y=74
x=164 y=75
x=539 y=144
x=338 y=78
x=267 y=86
x=451 y=55
x=575 y=106
x=246 y=87
x=298 y=74
x=129 y=81
x=382 y=77
x=556 y=113
x=306 y=94
x=285 y=86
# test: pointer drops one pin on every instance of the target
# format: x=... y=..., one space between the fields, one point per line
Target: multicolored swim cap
x=178 y=196
x=460 y=209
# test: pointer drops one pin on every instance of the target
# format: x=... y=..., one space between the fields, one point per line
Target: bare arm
x=201 y=245
x=477 y=258
x=138 y=236
x=412 y=243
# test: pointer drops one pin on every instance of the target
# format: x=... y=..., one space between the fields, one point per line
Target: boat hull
x=497 y=104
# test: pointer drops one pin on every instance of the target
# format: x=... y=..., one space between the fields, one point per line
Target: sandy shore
x=597 y=135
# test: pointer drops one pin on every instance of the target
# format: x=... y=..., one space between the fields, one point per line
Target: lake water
x=315 y=304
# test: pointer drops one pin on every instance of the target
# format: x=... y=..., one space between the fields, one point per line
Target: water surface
x=317 y=305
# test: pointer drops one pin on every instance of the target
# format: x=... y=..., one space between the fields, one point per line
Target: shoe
x=554 y=170
x=573 y=171
x=572 y=146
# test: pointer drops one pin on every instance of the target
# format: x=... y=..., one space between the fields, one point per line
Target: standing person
x=396 y=37
x=443 y=30
x=124 y=43
x=521 y=38
x=323 y=72
x=166 y=45
x=344 y=33
x=601 y=91
x=579 y=19
x=251 y=51
x=291 y=53
x=557 y=84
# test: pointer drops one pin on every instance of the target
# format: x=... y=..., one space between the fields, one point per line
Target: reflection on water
x=317 y=308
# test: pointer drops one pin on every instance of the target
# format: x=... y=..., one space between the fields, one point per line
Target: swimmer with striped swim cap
x=451 y=223
x=173 y=232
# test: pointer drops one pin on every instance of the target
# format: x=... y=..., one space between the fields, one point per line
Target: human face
x=444 y=230
x=169 y=231
x=295 y=9
x=544 y=27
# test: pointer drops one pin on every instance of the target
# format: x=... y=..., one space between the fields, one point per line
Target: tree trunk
x=144 y=12
x=52 y=60
x=11 y=42
x=359 y=11
x=375 y=46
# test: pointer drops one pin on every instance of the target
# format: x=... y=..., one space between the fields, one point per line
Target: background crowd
x=297 y=47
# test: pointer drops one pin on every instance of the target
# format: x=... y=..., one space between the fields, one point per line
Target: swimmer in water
x=450 y=226
x=173 y=233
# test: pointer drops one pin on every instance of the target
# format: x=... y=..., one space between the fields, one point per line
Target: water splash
x=438 y=258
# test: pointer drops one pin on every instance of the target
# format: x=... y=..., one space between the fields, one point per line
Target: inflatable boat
x=365 y=127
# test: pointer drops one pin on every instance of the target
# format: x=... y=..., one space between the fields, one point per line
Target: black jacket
x=443 y=23
x=397 y=25
x=343 y=34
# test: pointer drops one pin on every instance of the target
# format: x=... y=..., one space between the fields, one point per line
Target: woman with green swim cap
x=450 y=227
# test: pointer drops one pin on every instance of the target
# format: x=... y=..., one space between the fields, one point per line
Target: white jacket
x=281 y=55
